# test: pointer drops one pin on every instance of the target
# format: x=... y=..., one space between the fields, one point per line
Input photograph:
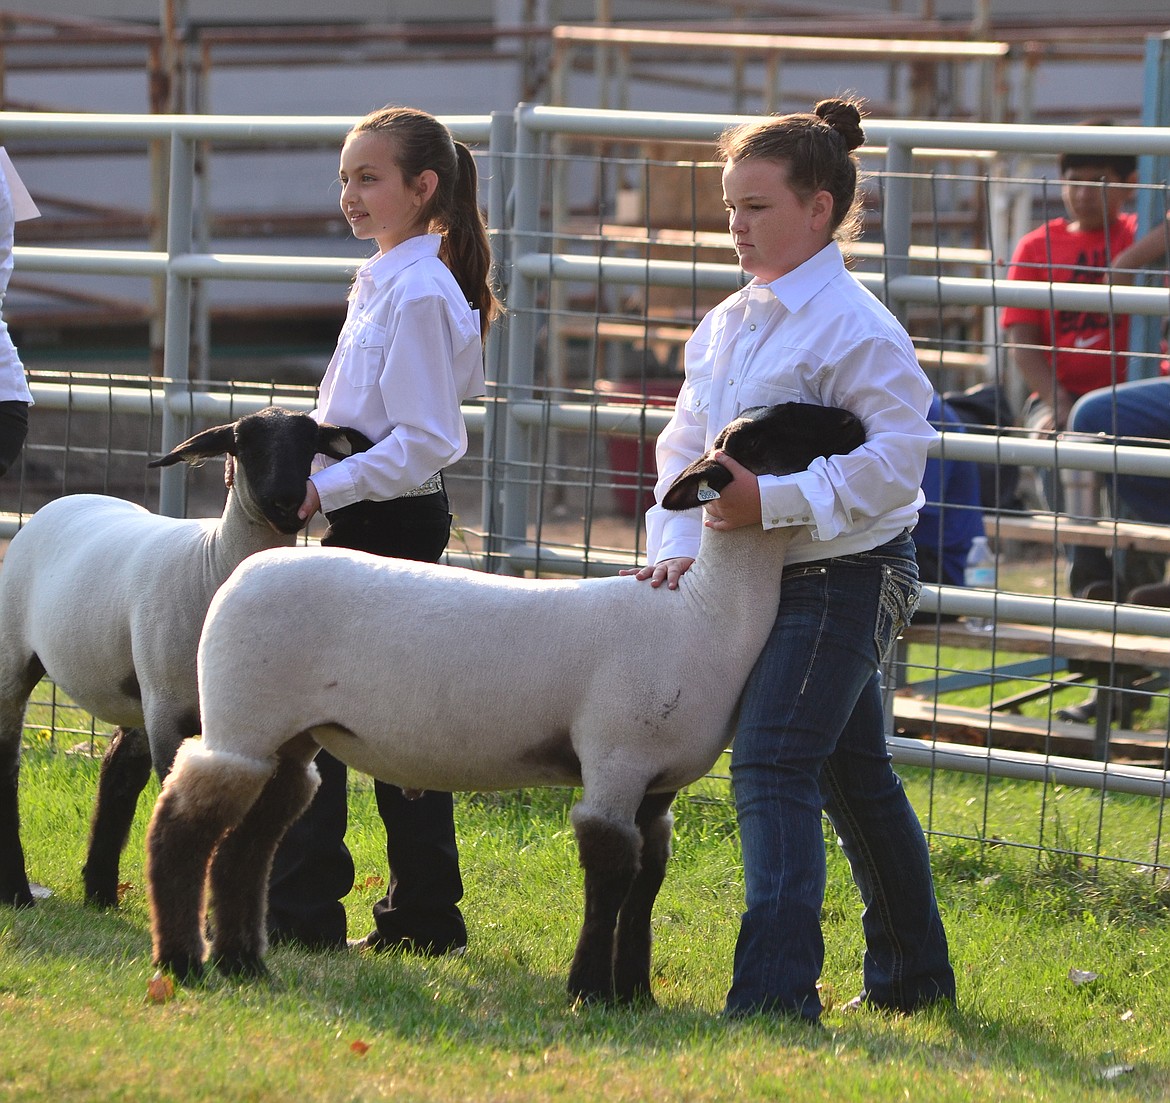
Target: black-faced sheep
x=435 y=677
x=108 y=599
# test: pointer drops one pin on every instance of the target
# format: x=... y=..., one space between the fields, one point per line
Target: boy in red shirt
x=1063 y=354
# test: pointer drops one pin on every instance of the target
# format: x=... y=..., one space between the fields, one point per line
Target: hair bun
x=844 y=117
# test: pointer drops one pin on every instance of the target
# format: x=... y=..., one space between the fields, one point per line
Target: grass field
x=1063 y=970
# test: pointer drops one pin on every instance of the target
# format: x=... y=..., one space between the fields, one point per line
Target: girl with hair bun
x=810 y=731
x=410 y=353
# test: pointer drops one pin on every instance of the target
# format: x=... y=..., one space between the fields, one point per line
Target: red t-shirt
x=1089 y=349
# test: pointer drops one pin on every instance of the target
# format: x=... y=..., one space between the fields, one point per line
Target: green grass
x=496 y=1024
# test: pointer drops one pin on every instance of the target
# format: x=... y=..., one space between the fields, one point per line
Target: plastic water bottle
x=979 y=574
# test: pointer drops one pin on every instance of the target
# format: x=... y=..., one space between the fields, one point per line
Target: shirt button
x=752 y=327
x=791 y=520
x=731 y=382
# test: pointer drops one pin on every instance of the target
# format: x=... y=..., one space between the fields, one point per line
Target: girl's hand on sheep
x=738 y=503
x=312 y=501
x=667 y=570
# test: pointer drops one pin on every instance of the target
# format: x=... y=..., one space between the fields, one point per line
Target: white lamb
x=434 y=677
x=108 y=600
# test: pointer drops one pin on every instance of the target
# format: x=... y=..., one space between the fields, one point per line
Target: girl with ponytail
x=410 y=352
x=810 y=730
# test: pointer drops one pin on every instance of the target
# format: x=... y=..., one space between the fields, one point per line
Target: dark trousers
x=313 y=869
x=13 y=430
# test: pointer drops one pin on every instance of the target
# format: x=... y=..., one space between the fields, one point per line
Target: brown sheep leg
x=631 y=968
x=242 y=864
x=125 y=772
x=204 y=795
x=609 y=855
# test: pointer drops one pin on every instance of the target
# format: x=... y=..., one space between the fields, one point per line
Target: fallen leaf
x=161 y=989
x=374 y=881
x=1081 y=976
x=123 y=888
x=1126 y=1016
x=359 y=1047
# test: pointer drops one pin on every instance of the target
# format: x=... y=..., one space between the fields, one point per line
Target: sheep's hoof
x=99 y=896
x=185 y=968
x=21 y=897
x=590 y=995
x=639 y=996
x=241 y=965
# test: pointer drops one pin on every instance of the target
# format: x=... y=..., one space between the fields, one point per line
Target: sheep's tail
x=204 y=795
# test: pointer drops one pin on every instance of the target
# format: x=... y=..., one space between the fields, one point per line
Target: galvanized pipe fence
x=515 y=151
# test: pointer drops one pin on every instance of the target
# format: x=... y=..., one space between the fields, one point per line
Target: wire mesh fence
x=611 y=246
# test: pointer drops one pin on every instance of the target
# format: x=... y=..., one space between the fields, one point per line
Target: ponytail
x=466 y=248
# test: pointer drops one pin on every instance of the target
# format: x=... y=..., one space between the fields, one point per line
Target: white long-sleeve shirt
x=408 y=355
x=813 y=335
x=13 y=385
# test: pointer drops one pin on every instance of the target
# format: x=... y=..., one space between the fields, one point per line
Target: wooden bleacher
x=1061 y=656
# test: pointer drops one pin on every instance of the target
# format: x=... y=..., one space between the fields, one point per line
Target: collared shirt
x=408 y=355
x=13 y=385
x=813 y=335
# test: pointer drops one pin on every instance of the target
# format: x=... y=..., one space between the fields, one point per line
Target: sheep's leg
x=125 y=772
x=631 y=969
x=608 y=850
x=205 y=794
x=242 y=864
x=14 y=887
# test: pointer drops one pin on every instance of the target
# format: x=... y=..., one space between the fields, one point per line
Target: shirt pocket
x=365 y=354
x=760 y=392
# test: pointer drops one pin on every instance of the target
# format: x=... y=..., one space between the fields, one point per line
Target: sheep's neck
x=237 y=535
x=737 y=573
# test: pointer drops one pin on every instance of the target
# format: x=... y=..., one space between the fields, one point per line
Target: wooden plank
x=978 y=727
x=1053 y=528
x=1152 y=652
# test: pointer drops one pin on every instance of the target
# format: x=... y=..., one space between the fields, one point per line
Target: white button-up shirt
x=408 y=355
x=814 y=335
x=13 y=386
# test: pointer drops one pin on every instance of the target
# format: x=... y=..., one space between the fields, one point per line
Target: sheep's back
x=90 y=575
x=410 y=671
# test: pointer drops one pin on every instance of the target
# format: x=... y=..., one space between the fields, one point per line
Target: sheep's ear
x=339 y=441
x=699 y=483
x=220 y=441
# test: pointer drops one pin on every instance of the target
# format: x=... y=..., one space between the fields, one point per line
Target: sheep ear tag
x=706 y=492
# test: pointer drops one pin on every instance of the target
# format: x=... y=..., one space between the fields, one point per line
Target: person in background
x=1063 y=354
x=15 y=397
x=810 y=733
x=410 y=352
x=952 y=514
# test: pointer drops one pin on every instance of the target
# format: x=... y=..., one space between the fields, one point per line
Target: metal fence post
x=501 y=154
x=1144 y=330
x=512 y=498
x=896 y=215
x=177 y=335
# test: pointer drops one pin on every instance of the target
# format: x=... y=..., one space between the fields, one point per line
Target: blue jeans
x=1136 y=410
x=1131 y=411
x=810 y=738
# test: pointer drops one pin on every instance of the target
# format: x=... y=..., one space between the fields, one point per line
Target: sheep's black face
x=769 y=440
x=274 y=453
x=274 y=450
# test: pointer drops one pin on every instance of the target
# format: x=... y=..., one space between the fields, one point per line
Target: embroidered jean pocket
x=897 y=603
